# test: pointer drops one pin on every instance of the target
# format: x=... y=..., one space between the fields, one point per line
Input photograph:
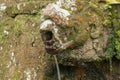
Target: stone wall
x=22 y=50
x=22 y=54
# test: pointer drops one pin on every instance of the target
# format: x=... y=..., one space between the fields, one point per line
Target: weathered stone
x=2 y=7
x=81 y=32
x=88 y=46
x=58 y=15
x=89 y=54
x=22 y=53
x=32 y=7
x=98 y=45
x=22 y=58
x=96 y=33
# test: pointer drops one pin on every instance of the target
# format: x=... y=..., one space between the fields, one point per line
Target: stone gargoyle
x=73 y=32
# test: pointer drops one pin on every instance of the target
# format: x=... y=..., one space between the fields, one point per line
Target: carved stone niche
x=76 y=32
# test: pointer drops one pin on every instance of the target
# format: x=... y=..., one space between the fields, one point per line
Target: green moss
x=5 y=26
x=30 y=7
x=111 y=46
x=116 y=24
x=16 y=75
x=20 y=25
x=12 y=11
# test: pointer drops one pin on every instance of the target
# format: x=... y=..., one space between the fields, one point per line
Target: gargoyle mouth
x=49 y=41
x=52 y=39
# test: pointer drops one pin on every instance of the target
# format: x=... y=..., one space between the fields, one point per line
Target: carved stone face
x=56 y=38
x=81 y=34
x=60 y=30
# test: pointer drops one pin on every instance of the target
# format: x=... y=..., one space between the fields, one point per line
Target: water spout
x=57 y=66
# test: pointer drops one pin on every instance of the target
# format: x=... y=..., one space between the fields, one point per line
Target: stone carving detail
x=72 y=32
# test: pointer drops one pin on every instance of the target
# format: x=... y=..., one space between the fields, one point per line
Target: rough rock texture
x=89 y=71
x=22 y=53
x=81 y=35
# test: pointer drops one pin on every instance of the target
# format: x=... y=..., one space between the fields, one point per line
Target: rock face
x=22 y=54
x=78 y=34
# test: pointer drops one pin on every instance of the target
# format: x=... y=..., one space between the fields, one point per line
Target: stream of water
x=57 y=66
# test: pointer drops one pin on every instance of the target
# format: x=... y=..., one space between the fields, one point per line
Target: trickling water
x=57 y=66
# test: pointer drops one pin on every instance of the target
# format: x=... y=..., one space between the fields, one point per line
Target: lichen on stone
x=83 y=28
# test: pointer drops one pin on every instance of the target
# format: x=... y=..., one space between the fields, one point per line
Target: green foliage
x=111 y=49
x=111 y=45
x=117 y=44
x=108 y=6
